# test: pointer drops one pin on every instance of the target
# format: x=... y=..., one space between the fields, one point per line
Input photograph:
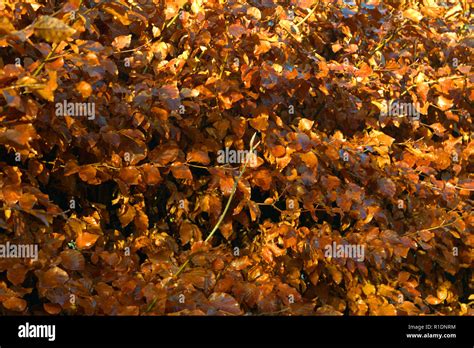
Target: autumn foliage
x=121 y=199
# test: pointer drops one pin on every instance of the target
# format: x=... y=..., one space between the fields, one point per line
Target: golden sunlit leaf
x=52 y=29
x=121 y=42
x=86 y=240
x=444 y=103
x=413 y=14
x=432 y=300
x=84 y=88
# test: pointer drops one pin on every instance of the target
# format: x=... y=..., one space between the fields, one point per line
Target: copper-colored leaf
x=52 y=308
x=20 y=135
x=165 y=154
x=387 y=187
x=263 y=179
x=181 y=171
x=188 y=232
x=16 y=274
x=225 y=303
x=198 y=157
x=236 y=30
x=151 y=174
x=126 y=214
x=88 y=173
x=15 y=304
x=54 y=277
x=130 y=175
x=72 y=260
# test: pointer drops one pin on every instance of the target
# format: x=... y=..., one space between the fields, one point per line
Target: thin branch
x=31 y=85
x=170 y=23
x=221 y=218
x=434 y=227
x=308 y=15
x=43 y=63
x=462 y=188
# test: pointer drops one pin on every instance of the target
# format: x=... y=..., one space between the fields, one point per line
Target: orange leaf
x=15 y=304
x=86 y=240
x=310 y=159
x=181 y=171
x=151 y=174
x=16 y=274
x=432 y=300
x=84 y=88
x=88 y=174
x=126 y=214
x=198 y=157
x=52 y=308
x=165 y=154
x=188 y=232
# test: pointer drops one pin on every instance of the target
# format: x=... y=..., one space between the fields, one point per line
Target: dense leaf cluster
x=122 y=191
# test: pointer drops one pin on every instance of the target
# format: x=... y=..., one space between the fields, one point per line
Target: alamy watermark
x=395 y=108
x=20 y=251
x=76 y=109
x=237 y=156
x=37 y=331
x=351 y=251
